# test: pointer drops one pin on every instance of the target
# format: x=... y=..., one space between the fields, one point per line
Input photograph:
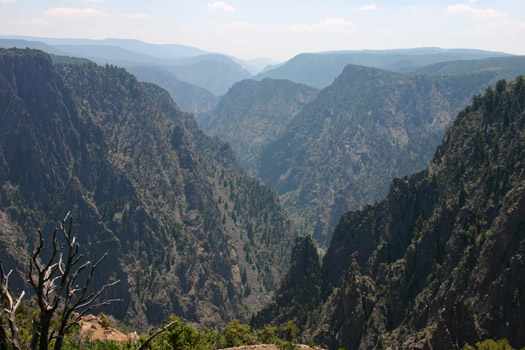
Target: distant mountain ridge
x=501 y=67
x=156 y=50
x=320 y=69
x=213 y=72
x=190 y=98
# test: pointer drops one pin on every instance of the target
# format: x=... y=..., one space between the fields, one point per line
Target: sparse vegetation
x=144 y=181
x=490 y=344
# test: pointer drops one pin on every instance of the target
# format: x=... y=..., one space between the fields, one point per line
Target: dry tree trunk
x=55 y=285
x=10 y=311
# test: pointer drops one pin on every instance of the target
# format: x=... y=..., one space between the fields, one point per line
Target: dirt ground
x=271 y=347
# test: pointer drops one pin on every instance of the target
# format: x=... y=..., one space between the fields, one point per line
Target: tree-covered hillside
x=253 y=114
x=438 y=263
x=370 y=125
x=187 y=231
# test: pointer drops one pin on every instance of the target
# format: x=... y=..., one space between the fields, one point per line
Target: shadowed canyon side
x=370 y=125
x=300 y=289
x=440 y=262
x=187 y=231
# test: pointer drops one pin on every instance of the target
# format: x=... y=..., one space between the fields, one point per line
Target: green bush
x=267 y=335
x=236 y=334
x=290 y=330
x=285 y=345
x=489 y=344
x=213 y=338
x=181 y=336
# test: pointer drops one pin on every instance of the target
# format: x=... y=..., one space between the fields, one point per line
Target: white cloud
x=220 y=6
x=93 y=0
x=7 y=1
x=502 y=29
x=327 y=24
x=499 y=29
x=74 y=12
x=368 y=7
x=475 y=12
x=143 y=16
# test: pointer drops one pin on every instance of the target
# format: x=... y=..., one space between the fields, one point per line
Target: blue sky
x=278 y=29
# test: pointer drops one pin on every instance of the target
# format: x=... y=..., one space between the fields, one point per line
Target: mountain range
x=340 y=150
x=320 y=69
x=214 y=72
x=438 y=263
x=218 y=72
x=428 y=260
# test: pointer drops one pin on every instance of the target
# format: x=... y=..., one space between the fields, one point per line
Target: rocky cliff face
x=370 y=125
x=300 y=289
x=186 y=230
x=440 y=261
x=253 y=114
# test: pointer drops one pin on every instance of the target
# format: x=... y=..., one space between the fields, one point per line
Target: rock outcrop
x=300 y=289
x=95 y=328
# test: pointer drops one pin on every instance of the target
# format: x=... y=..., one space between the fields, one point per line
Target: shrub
x=236 y=334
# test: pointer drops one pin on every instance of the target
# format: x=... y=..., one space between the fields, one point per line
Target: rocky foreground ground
x=271 y=347
x=93 y=326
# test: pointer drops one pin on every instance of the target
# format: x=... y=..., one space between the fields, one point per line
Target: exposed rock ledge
x=92 y=325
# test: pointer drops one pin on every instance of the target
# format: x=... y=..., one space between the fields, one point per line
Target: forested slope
x=187 y=231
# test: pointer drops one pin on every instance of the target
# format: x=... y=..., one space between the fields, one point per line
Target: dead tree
x=55 y=281
x=10 y=311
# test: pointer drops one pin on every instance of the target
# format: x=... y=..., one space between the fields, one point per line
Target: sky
x=277 y=29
